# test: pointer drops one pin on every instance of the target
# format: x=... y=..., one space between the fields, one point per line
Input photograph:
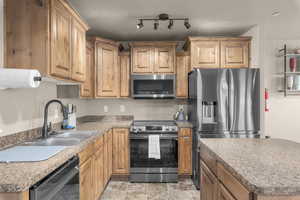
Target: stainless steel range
x=144 y=167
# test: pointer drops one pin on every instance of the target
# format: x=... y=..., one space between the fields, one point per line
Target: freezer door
x=212 y=100
x=244 y=101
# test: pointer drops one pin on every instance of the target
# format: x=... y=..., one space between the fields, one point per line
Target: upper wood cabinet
x=87 y=86
x=121 y=151
x=153 y=57
x=182 y=70
x=205 y=54
x=215 y=52
x=185 y=151
x=106 y=68
x=235 y=54
x=142 y=59
x=124 y=64
x=48 y=37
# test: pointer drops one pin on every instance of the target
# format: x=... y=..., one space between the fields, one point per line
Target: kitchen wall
x=282 y=121
x=141 y=109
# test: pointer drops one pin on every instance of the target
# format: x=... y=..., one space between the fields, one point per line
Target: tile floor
x=119 y=190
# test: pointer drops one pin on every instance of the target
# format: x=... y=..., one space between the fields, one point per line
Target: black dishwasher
x=62 y=184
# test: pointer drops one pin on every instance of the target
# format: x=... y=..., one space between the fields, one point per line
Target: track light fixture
x=140 y=24
x=163 y=17
x=187 y=24
x=156 y=24
x=171 y=23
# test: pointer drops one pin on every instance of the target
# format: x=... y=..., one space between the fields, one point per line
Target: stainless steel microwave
x=153 y=86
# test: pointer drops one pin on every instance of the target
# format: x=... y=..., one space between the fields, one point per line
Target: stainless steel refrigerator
x=223 y=103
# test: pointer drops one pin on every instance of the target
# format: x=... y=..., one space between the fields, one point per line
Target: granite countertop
x=184 y=124
x=264 y=166
x=17 y=177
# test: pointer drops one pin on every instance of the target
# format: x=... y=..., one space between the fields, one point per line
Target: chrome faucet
x=46 y=129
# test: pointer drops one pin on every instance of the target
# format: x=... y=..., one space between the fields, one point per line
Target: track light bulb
x=187 y=24
x=171 y=23
x=140 y=24
x=156 y=24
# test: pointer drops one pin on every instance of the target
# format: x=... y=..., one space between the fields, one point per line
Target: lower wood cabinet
x=185 y=151
x=223 y=194
x=86 y=180
x=121 y=151
x=98 y=168
x=209 y=184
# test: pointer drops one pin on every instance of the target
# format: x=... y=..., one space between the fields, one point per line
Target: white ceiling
x=116 y=19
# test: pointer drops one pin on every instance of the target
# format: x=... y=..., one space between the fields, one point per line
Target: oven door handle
x=161 y=137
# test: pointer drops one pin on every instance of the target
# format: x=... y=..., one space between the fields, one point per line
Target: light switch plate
x=105 y=108
x=122 y=108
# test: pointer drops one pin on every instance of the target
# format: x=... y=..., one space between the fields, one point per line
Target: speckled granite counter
x=17 y=177
x=264 y=166
x=184 y=124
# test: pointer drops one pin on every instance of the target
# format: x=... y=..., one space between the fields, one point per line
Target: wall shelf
x=291 y=78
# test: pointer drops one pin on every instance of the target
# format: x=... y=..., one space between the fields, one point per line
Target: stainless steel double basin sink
x=70 y=138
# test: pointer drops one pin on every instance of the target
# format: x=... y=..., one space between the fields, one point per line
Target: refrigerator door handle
x=231 y=100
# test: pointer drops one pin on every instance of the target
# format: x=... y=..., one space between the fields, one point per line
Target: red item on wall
x=266 y=100
x=293 y=64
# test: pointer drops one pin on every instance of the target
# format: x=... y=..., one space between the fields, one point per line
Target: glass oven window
x=153 y=87
x=70 y=191
x=139 y=154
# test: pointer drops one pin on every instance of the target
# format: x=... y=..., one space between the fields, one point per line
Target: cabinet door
x=182 y=70
x=235 y=54
x=142 y=59
x=78 y=52
x=60 y=41
x=209 y=184
x=110 y=153
x=86 y=180
x=223 y=194
x=120 y=151
x=124 y=62
x=98 y=172
x=87 y=86
x=185 y=151
x=205 y=54
x=106 y=71
x=164 y=60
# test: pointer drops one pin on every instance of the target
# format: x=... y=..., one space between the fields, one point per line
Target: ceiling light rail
x=163 y=17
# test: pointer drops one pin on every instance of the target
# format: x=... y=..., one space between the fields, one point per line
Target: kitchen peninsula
x=250 y=169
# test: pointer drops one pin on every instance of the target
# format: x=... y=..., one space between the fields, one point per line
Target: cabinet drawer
x=98 y=143
x=86 y=153
x=232 y=184
x=209 y=160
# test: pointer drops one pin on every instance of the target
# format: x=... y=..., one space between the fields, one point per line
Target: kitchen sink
x=54 y=142
x=76 y=134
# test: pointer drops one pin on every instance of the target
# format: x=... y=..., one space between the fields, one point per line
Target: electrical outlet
x=1 y=131
x=105 y=108
x=122 y=108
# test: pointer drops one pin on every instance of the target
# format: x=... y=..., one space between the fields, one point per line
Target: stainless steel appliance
x=153 y=86
x=63 y=183
x=145 y=169
x=223 y=103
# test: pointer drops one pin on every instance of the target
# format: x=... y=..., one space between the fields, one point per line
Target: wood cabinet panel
x=110 y=153
x=142 y=59
x=107 y=82
x=205 y=54
x=232 y=184
x=88 y=86
x=86 y=153
x=86 y=180
x=223 y=194
x=106 y=161
x=234 y=54
x=208 y=184
x=120 y=151
x=78 y=52
x=185 y=151
x=14 y=195
x=124 y=62
x=61 y=23
x=164 y=60
x=98 y=172
x=182 y=70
